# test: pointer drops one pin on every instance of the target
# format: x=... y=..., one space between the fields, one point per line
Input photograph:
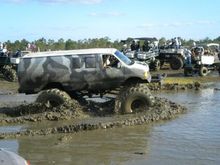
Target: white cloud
x=13 y=1
x=108 y=14
x=67 y=28
x=71 y=1
x=205 y=22
x=175 y=24
x=88 y=2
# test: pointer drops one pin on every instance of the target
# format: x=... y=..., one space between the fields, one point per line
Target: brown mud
x=94 y=119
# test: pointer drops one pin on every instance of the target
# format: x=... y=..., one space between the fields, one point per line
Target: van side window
x=110 y=61
x=76 y=62
x=90 y=62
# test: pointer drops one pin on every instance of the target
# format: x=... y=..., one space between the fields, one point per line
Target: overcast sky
x=117 y=19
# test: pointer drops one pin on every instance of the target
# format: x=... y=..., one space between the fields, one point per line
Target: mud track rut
x=96 y=118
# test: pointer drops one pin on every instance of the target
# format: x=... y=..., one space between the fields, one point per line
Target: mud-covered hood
x=140 y=65
x=139 y=69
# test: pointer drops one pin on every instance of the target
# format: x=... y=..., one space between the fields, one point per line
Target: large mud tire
x=134 y=99
x=54 y=97
x=9 y=74
x=156 y=65
x=203 y=71
x=176 y=63
x=161 y=64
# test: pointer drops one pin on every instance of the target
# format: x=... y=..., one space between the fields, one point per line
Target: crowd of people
x=5 y=52
x=175 y=43
x=136 y=46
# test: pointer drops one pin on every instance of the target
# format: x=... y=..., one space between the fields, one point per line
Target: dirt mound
x=95 y=118
x=37 y=112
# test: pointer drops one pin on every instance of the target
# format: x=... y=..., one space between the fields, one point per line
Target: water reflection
x=113 y=146
x=11 y=145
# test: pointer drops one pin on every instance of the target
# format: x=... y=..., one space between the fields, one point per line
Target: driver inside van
x=106 y=61
x=110 y=61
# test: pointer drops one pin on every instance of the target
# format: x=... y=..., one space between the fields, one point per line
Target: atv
x=203 y=60
x=8 y=67
x=144 y=50
x=172 y=54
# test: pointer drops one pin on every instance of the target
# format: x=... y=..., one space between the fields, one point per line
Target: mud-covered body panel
x=74 y=72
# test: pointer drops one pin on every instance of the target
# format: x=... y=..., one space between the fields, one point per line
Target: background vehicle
x=61 y=75
x=8 y=67
x=204 y=59
x=172 y=54
x=143 y=49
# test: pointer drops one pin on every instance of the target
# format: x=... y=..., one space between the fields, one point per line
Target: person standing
x=133 y=46
x=138 y=46
x=176 y=43
x=146 y=46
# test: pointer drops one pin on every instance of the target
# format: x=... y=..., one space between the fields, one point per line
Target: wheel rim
x=9 y=76
x=204 y=72
x=176 y=64
x=138 y=105
x=54 y=103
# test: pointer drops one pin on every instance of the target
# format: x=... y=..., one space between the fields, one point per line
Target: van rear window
x=76 y=62
x=90 y=62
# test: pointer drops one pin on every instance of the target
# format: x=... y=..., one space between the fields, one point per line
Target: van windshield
x=123 y=58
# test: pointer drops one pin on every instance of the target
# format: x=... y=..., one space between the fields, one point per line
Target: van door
x=112 y=71
x=89 y=72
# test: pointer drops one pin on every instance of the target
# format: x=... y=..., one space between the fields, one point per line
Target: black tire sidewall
x=10 y=74
x=176 y=63
x=55 y=98
x=203 y=71
x=157 y=65
x=126 y=105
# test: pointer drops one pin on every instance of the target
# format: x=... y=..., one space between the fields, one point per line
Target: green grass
x=190 y=80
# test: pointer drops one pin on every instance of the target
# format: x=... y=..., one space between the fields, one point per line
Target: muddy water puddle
x=192 y=138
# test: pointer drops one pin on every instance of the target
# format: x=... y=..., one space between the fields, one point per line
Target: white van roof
x=72 y=52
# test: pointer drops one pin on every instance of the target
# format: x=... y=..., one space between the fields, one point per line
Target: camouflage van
x=58 y=76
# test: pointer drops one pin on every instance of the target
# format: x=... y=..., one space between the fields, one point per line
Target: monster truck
x=8 y=67
x=146 y=51
x=59 y=76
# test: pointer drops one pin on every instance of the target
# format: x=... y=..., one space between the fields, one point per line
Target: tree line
x=49 y=44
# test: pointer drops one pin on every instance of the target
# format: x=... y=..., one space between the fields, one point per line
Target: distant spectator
x=125 y=48
x=180 y=42
x=138 y=46
x=176 y=43
x=188 y=54
x=194 y=44
x=4 y=50
x=1 y=46
x=172 y=43
x=31 y=47
x=146 y=46
x=133 y=46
